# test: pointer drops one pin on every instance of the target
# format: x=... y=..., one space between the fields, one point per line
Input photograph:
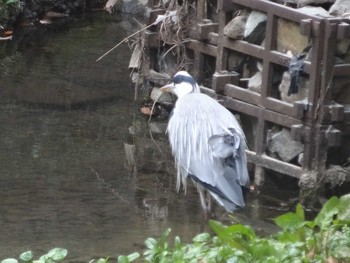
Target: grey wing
x=224 y=145
x=230 y=149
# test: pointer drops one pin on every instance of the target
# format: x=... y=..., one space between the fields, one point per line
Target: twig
x=121 y=42
x=176 y=45
x=134 y=34
x=137 y=21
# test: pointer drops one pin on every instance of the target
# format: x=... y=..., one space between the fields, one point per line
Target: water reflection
x=79 y=168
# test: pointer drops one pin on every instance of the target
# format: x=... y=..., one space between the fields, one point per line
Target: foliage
x=53 y=256
x=325 y=239
x=9 y=8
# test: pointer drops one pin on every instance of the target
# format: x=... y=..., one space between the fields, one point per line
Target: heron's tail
x=230 y=196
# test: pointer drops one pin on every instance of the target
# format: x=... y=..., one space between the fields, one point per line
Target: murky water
x=66 y=126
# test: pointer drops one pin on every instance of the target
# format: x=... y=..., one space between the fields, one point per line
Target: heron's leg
x=203 y=200
x=206 y=202
x=209 y=203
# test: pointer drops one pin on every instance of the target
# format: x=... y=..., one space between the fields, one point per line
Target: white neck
x=183 y=89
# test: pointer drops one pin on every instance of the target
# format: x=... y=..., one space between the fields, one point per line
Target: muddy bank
x=19 y=13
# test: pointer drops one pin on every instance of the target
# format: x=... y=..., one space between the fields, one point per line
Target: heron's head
x=181 y=85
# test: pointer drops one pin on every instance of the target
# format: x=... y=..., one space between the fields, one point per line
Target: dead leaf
x=8 y=33
x=146 y=110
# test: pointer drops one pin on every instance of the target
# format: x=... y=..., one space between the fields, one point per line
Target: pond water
x=67 y=124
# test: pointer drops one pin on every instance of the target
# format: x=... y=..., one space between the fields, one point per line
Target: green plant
x=9 y=8
x=54 y=255
x=325 y=239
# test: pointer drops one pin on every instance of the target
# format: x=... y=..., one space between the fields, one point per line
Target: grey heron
x=208 y=145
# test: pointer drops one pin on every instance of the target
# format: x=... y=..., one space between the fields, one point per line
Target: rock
x=110 y=5
x=342 y=47
x=284 y=87
x=282 y=144
x=341 y=90
x=134 y=7
x=236 y=27
x=235 y=61
x=340 y=7
x=158 y=78
x=313 y=11
x=337 y=175
x=308 y=180
x=289 y=37
x=288 y=32
x=301 y=159
x=346 y=58
x=255 y=82
x=255 y=27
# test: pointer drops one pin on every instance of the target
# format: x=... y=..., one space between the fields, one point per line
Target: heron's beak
x=167 y=88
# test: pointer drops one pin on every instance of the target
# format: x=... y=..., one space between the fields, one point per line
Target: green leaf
x=241 y=230
x=178 y=256
x=26 y=256
x=42 y=259
x=342 y=252
x=299 y=211
x=263 y=249
x=123 y=259
x=231 y=235
x=289 y=221
x=133 y=256
x=288 y=236
x=177 y=241
x=57 y=254
x=102 y=260
x=12 y=1
x=164 y=236
x=344 y=208
x=201 y=238
x=328 y=211
x=217 y=227
x=9 y=260
x=151 y=243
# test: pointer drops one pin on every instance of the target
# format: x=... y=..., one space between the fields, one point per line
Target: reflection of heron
x=208 y=145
